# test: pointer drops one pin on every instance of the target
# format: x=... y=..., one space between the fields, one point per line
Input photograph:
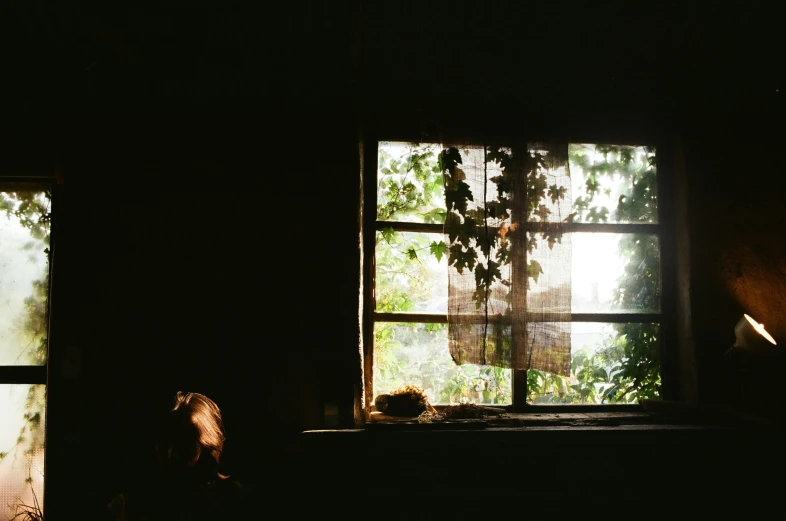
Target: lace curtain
x=509 y=274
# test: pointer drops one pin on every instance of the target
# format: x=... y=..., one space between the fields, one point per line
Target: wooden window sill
x=650 y=415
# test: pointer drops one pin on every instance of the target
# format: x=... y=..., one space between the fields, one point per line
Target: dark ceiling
x=653 y=57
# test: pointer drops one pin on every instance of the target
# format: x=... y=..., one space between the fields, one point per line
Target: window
x=25 y=212
x=542 y=261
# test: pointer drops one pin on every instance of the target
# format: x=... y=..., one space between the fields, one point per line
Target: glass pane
x=615 y=272
x=22 y=437
x=409 y=183
x=610 y=363
x=549 y=262
x=24 y=274
x=613 y=183
x=548 y=188
x=409 y=277
x=417 y=354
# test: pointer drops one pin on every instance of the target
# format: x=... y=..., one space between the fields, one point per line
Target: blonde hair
x=194 y=434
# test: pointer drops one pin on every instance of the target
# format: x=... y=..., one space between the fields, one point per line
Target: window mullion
x=369 y=167
x=617 y=318
x=23 y=374
x=519 y=271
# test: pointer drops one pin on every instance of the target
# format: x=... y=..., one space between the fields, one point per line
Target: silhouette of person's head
x=191 y=439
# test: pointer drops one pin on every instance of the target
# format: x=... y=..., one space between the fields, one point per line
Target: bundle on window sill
x=407 y=400
x=411 y=401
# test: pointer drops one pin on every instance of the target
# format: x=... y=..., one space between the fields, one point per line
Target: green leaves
x=448 y=160
x=536 y=188
x=591 y=184
x=466 y=233
x=471 y=244
x=388 y=234
x=557 y=193
x=409 y=183
x=542 y=212
x=486 y=275
x=438 y=249
x=618 y=181
x=498 y=209
x=437 y=215
x=552 y=237
x=404 y=274
x=461 y=259
x=534 y=270
x=457 y=196
x=598 y=215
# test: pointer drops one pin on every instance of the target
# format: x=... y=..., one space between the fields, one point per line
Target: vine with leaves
x=426 y=180
x=466 y=239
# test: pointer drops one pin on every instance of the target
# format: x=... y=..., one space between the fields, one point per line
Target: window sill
x=519 y=420
x=650 y=415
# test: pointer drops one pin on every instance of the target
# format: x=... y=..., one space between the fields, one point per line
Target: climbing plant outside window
x=525 y=274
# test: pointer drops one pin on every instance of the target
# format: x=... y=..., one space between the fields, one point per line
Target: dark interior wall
x=736 y=227
x=204 y=237
x=210 y=267
x=208 y=233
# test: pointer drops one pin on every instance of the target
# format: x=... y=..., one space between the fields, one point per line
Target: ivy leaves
x=556 y=193
x=437 y=249
x=624 y=173
x=457 y=191
x=409 y=183
x=481 y=236
x=597 y=215
x=534 y=269
x=457 y=197
x=462 y=258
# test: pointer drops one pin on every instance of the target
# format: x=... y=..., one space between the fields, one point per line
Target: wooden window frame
x=663 y=229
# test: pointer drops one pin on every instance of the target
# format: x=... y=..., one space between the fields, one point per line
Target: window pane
x=615 y=272
x=408 y=275
x=409 y=183
x=610 y=363
x=24 y=274
x=549 y=277
x=22 y=436
x=417 y=354
x=613 y=183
